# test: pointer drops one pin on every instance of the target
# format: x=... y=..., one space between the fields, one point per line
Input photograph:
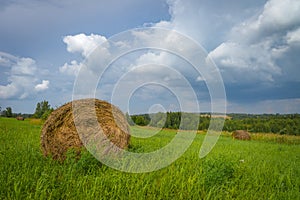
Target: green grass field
x=233 y=170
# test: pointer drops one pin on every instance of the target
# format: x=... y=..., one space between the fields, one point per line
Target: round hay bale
x=59 y=133
x=241 y=135
x=20 y=118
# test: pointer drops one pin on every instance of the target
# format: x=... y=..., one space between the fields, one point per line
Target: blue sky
x=254 y=43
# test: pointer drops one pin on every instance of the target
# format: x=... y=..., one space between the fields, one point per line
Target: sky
x=254 y=45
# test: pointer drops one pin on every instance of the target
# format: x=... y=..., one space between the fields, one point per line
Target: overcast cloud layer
x=255 y=44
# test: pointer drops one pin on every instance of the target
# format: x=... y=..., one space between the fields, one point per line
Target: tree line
x=264 y=123
x=42 y=111
x=256 y=123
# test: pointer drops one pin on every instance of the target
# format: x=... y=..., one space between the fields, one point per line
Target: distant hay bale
x=241 y=135
x=20 y=118
x=59 y=133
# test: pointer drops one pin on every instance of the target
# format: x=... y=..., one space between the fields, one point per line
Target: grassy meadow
x=259 y=169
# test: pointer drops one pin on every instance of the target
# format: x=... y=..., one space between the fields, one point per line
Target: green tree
x=8 y=112
x=140 y=120
x=38 y=111
x=46 y=114
x=129 y=120
x=42 y=110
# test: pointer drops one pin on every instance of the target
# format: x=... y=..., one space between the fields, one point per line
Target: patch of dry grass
x=35 y=121
x=269 y=137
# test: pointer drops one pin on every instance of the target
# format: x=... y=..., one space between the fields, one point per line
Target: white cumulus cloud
x=253 y=47
x=71 y=69
x=22 y=77
x=83 y=44
x=42 y=86
x=24 y=66
x=277 y=17
x=245 y=40
x=293 y=37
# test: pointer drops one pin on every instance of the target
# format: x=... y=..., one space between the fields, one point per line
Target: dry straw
x=59 y=133
x=241 y=135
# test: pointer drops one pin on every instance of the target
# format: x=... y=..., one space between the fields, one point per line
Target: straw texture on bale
x=241 y=135
x=59 y=133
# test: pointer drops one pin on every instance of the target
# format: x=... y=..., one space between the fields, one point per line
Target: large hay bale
x=241 y=135
x=59 y=133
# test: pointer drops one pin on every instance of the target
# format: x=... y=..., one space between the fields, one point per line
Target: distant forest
x=263 y=123
x=255 y=123
x=42 y=111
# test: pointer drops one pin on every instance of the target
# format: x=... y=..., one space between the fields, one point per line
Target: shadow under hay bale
x=241 y=135
x=93 y=118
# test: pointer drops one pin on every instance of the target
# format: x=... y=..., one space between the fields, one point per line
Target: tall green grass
x=234 y=169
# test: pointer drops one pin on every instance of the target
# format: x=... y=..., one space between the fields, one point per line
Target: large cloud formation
x=22 y=77
x=256 y=46
x=82 y=44
x=260 y=62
